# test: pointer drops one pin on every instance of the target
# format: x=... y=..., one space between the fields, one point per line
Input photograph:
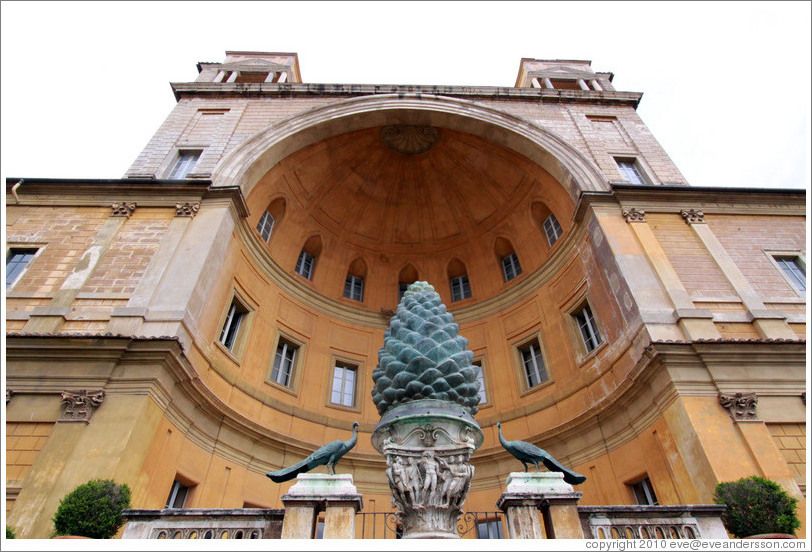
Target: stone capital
x=634 y=214
x=80 y=405
x=741 y=406
x=123 y=208
x=188 y=209
x=693 y=216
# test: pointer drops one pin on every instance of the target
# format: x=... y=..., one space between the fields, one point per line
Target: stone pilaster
x=769 y=324
x=694 y=323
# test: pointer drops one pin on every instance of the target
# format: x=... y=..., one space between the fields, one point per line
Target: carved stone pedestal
x=428 y=446
x=316 y=492
x=531 y=498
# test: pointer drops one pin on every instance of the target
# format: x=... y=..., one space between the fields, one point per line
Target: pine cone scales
x=423 y=356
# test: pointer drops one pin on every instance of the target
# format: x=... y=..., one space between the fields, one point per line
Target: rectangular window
x=535 y=371
x=265 y=225
x=231 y=327
x=793 y=270
x=177 y=495
x=552 y=229
x=343 y=391
x=588 y=327
x=630 y=170
x=17 y=261
x=187 y=159
x=354 y=287
x=491 y=529
x=510 y=266
x=305 y=264
x=644 y=492
x=460 y=288
x=284 y=362
x=480 y=377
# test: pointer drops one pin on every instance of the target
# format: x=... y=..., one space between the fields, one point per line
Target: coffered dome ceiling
x=404 y=189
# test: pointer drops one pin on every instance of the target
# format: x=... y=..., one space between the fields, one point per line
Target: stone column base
x=313 y=493
x=529 y=494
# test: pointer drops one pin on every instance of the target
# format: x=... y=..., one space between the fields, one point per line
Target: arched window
x=407 y=275
x=547 y=221
x=458 y=280
x=507 y=258
x=354 y=283
x=270 y=218
x=306 y=263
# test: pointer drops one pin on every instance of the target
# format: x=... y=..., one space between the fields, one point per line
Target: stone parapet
x=203 y=523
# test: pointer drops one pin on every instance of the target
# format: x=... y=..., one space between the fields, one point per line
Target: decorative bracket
x=742 y=406
x=123 y=208
x=634 y=215
x=187 y=209
x=9 y=393
x=80 y=405
x=693 y=216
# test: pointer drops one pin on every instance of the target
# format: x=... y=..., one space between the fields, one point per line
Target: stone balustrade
x=653 y=522
x=203 y=523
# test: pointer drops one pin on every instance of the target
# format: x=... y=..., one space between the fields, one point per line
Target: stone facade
x=136 y=304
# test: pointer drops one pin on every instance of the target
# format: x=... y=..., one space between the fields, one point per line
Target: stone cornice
x=717 y=200
x=87 y=192
x=289 y=90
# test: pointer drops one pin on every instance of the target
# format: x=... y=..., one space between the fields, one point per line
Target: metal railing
x=471 y=525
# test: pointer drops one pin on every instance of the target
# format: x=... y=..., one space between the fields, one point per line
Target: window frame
x=358 y=383
x=11 y=247
x=516 y=265
x=518 y=363
x=487 y=389
x=177 y=482
x=462 y=285
x=299 y=362
x=557 y=228
x=355 y=279
x=261 y=225
x=489 y=523
x=643 y=170
x=595 y=332
x=312 y=271
x=236 y=351
x=648 y=490
x=176 y=160
x=798 y=256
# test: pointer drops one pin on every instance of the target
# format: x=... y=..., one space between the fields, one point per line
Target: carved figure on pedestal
x=328 y=455
x=413 y=480
x=428 y=466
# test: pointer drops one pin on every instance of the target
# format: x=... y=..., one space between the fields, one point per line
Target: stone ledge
x=648 y=511
x=291 y=90
x=140 y=514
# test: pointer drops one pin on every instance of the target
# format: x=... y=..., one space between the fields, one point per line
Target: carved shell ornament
x=409 y=139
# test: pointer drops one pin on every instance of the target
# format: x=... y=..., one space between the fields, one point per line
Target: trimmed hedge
x=755 y=506
x=92 y=509
x=10 y=534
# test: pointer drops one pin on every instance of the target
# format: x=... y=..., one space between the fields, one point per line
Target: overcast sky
x=726 y=86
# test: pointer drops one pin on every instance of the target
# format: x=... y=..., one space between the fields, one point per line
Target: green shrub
x=92 y=509
x=10 y=534
x=756 y=505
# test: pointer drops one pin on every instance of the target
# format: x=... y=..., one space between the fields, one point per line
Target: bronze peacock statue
x=328 y=455
x=531 y=454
